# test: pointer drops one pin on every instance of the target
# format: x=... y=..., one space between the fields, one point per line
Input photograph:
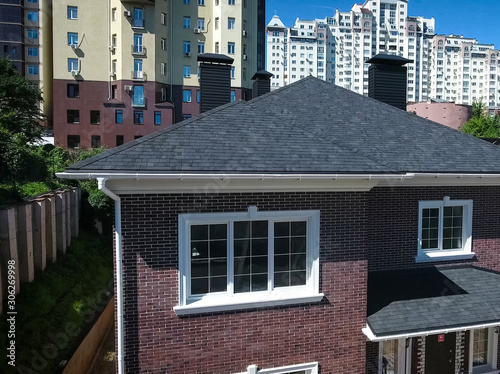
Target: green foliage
x=66 y=294
x=21 y=122
x=481 y=124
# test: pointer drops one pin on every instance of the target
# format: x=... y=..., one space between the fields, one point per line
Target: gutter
x=101 y=183
x=374 y=338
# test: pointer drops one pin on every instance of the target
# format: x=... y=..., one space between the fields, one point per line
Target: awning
x=431 y=301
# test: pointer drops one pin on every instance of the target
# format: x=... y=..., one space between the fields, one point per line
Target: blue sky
x=478 y=19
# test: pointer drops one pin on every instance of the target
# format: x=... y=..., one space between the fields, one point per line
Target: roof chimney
x=387 y=79
x=215 y=80
x=262 y=84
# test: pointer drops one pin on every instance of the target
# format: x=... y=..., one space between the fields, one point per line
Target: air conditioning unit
x=187 y=54
x=74 y=46
x=127 y=13
x=196 y=31
x=244 y=57
x=74 y=73
x=128 y=88
x=245 y=33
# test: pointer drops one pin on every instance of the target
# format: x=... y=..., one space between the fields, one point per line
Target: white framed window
x=230 y=48
x=444 y=230
x=201 y=23
x=163 y=68
x=163 y=18
x=163 y=44
x=231 y=22
x=72 y=12
x=113 y=14
x=186 y=23
x=201 y=2
x=391 y=359
x=187 y=71
x=231 y=261
x=309 y=368
x=73 y=64
x=483 y=350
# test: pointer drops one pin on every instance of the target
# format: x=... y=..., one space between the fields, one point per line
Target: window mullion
x=230 y=258
x=440 y=230
x=270 y=255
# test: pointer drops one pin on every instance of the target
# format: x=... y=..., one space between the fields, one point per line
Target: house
x=293 y=234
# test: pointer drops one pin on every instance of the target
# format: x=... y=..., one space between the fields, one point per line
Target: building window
x=138 y=98
x=483 y=351
x=163 y=44
x=163 y=92
x=138 y=72
x=33 y=51
x=186 y=96
x=201 y=48
x=230 y=48
x=187 y=71
x=201 y=2
x=392 y=357
x=138 y=117
x=113 y=14
x=73 y=116
x=240 y=255
x=186 y=116
x=230 y=2
x=157 y=118
x=163 y=68
x=163 y=18
x=233 y=74
x=138 y=47
x=33 y=69
x=187 y=1
x=233 y=95
x=119 y=140
x=201 y=23
x=72 y=12
x=186 y=22
x=73 y=141
x=32 y=16
x=95 y=117
x=114 y=39
x=32 y=34
x=197 y=96
x=73 y=64
x=114 y=91
x=72 y=38
x=95 y=141
x=73 y=90
x=310 y=368
x=244 y=74
x=216 y=47
x=231 y=22
x=187 y=47
x=138 y=17
x=118 y=116
x=445 y=230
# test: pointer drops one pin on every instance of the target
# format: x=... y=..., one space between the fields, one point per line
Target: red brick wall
x=376 y=230
x=158 y=341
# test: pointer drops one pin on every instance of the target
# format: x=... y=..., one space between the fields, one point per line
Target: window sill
x=486 y=369
x=443 y=256
x=245 y=302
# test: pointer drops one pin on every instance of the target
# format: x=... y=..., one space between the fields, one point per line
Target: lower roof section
x=431 y=301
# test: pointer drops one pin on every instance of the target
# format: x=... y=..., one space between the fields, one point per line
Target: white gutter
x=374 y=338
x=101 y=183
x=258 y=176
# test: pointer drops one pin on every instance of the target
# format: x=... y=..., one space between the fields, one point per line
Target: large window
x=186 y=96
x=445 y=229
x=73 y=90
x=310 y=368
x=228 y=261
x=138 y=96
x=483 y=350
x=138 y=17
x=392 y=356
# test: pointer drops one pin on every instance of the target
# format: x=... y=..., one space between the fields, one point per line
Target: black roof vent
x=387 y=79
x=215 y=80
x=262 y=84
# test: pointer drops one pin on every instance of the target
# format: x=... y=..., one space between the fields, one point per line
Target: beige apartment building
x=123 y=69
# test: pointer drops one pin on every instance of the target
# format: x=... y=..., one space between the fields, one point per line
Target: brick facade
x=375 y=230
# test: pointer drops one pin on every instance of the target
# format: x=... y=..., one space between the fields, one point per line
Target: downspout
x=109 y=50
x=101 y=183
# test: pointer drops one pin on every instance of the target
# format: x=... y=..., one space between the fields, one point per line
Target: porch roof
x=431 y=301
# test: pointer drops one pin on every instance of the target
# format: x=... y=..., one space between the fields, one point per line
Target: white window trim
x=491 y=366
x=402 y=350
x=224 y=301
x=431 y=255
x=312 y=367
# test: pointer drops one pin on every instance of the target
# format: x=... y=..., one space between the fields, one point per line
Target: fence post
x=8 y=246
x=69 y=211
x=39 y=234
x=25 y=242
x=61 y=221
x=75 y=209
x=50 y=227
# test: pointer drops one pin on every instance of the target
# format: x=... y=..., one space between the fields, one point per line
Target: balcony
x=139 y=102
x=139 y=75
x=139 y=50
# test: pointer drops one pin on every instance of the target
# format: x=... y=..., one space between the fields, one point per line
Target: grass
x=60 y=303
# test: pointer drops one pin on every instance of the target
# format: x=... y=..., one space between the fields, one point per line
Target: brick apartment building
x=249 y=240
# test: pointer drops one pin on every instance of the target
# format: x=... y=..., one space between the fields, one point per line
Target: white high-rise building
x=335 y=49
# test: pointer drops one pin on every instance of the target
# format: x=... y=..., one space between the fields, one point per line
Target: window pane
x=480 y=347
x=452 y=227
x=290 y=254
x=430 y=228
x=390 y=357
x=250 y=256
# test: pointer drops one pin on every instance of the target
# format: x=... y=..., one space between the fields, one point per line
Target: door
x=440 y=354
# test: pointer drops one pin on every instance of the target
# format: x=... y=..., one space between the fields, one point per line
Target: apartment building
x=26 y=39
x=124 y=69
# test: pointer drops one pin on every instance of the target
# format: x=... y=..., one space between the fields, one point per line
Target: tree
x=21 y=120
x=481 y=124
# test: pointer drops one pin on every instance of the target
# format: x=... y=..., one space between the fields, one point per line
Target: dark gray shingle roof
x=307 y=127
x=425 y=300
